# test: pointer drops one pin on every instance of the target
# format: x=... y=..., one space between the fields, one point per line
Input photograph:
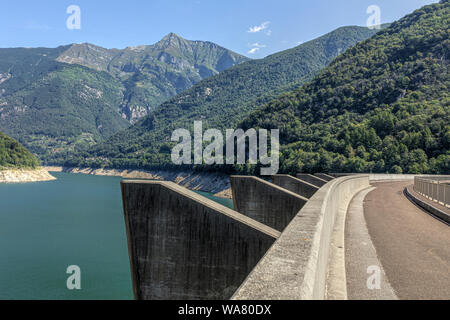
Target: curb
x=435 y=212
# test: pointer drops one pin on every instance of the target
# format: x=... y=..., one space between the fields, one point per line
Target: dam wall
x=296 y=266
x=264 y=201
x=183 y=246
x=280 y=245
x=318 y=182
x=324 y=176
x=300 y=187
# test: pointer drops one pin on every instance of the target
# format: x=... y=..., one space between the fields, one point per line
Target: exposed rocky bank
x=216 y=183
x=24 y=175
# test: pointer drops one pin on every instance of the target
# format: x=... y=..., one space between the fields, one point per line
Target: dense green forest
x=220 y=101
x=383 y=106
x=14 y=155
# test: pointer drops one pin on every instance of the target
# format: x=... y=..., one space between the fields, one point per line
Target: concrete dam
x=284 y=239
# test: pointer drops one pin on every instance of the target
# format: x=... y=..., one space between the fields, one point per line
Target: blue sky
x=276 y=25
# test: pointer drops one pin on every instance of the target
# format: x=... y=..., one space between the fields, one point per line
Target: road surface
x=411 y=247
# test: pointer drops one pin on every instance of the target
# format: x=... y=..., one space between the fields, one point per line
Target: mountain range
x=221 y=101
x=152 y=74
x=54 y=100
x=380 y=106
x=353 y=100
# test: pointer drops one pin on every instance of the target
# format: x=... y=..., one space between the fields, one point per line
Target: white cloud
x=259 y=28
x=255 y=47
x=258 y=45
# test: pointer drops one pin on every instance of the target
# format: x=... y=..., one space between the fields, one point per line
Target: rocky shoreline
x=216 y=183
x=25 y=175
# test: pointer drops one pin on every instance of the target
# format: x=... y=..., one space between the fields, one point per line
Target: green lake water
x=47 y=226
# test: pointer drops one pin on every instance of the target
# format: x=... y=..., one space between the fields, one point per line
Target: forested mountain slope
x=51 y=107
x=14 y=155
x=382 y=106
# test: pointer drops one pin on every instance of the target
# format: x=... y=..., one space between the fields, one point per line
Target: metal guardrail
x=435 y=189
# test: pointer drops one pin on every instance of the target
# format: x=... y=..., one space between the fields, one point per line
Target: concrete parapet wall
x=264 y=201
x=318 y=182
x=185 y=246
x=386 y=176
x=390 y=177
x=300 y=187
x=324 y=176
x=296 y=266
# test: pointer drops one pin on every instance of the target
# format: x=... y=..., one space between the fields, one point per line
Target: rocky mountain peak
x=172 y=40
x=171 y=35
x=88 y=55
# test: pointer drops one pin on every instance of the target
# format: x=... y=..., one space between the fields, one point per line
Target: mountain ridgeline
x=152 y=74
x=57 y=100
x=220 y=101
x=14 y=155
x=382 y=106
